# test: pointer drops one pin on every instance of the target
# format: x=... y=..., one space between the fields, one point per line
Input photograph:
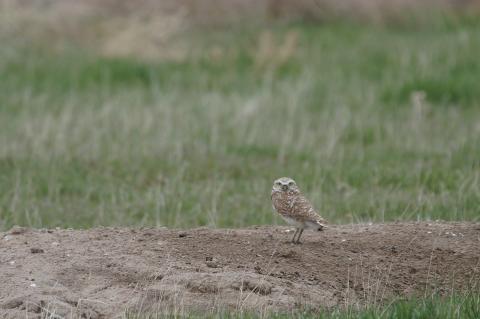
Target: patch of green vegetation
x=455 y=306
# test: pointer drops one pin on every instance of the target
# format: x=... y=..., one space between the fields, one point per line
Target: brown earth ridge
x=114 y=272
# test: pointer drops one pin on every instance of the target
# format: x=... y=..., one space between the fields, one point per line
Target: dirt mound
x=107 y=272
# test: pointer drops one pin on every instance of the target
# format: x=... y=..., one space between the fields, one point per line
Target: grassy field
x=375 y=124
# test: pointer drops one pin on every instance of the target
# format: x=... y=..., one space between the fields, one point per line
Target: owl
x=294 y=208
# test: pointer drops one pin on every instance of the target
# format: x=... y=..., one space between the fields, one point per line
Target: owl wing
x=304 y=210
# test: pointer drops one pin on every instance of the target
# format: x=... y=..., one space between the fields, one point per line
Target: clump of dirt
x=108 y=272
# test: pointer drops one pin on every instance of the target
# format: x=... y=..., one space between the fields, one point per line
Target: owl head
x=285 y=184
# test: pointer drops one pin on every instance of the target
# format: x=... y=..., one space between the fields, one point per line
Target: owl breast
x=282 y=202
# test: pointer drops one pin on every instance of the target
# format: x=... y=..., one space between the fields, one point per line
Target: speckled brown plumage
x=294 y=208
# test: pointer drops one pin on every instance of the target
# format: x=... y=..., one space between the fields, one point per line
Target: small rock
x=287 y=254
x=211 y=264
x=17 y=230
x=12 y=303
x=36 y=250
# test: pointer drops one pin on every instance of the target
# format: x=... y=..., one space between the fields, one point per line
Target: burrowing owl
x=294 y=208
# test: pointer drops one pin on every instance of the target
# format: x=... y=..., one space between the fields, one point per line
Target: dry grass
x=149 y=29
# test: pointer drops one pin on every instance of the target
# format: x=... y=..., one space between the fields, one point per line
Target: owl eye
x=290 y=183
x=278 y=183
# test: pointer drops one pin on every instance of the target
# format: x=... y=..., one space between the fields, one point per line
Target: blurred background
x=181 y=113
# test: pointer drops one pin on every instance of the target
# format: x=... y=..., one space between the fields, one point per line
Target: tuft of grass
x=451 y=307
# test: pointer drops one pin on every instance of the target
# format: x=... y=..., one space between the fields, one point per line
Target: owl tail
x=321 y=224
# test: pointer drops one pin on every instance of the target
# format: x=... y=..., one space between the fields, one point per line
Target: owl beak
x=284 y=187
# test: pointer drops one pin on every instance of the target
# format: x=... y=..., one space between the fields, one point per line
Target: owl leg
x=299 y=235
x=295 y=234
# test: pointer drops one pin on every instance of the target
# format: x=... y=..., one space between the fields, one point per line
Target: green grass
x=88 y=140
x=465 y=306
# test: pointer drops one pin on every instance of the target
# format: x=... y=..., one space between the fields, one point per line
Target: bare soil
x=110 y=272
